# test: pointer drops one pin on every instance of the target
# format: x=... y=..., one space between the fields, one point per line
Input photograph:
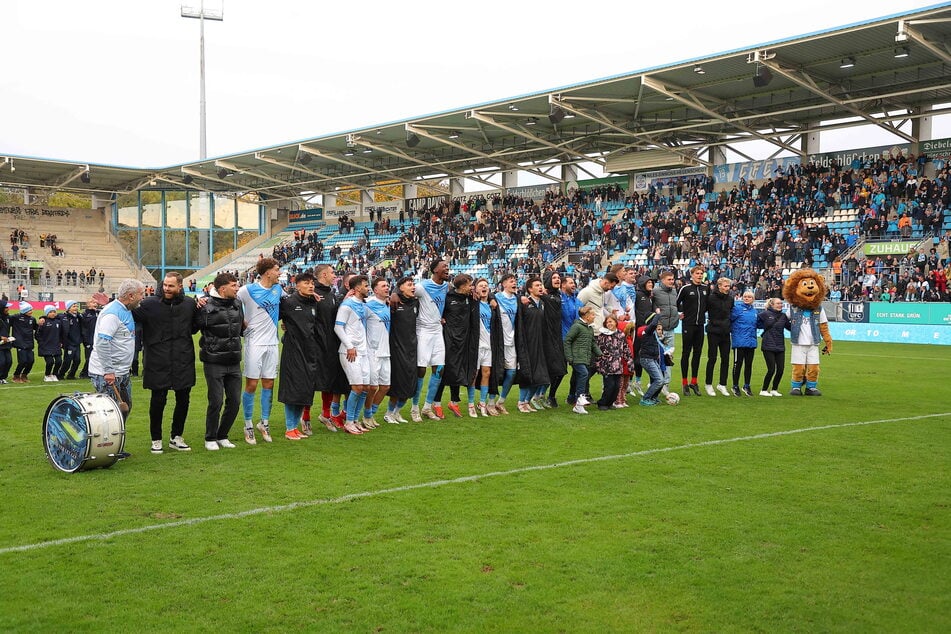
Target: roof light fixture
x=699 y=70
x=901 y=51
x=847 y=62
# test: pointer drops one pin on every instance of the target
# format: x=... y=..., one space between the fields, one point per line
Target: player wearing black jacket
x=692 y=306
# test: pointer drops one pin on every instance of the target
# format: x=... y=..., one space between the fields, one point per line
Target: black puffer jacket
x=221 y=323
x=719 y=307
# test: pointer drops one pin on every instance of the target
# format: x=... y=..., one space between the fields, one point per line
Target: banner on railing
x=383 y=209
x=752 y=170
x=418 y=205
x=302 y=216
x=643 y=180
x=889 y=248
x=937 y=313
x=336 y=211
x=532 y=192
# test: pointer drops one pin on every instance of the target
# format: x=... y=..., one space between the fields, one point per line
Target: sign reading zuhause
x=888 y=248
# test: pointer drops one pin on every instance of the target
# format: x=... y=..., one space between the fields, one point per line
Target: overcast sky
x=116 y=81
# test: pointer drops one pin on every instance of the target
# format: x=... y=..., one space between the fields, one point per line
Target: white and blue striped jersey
x=350 y=325
x=432 y=301
x=378 y=327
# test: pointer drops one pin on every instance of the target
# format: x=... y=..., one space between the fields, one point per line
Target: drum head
x=65 y=434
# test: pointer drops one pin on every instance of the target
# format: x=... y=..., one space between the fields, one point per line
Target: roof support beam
x=807 y=82
x=243 y=170
x=692 y=100
x=489 y=157
x=644 y=140
x=937 y=50
x=481 y=116
x=392 y=151
x=76 y=173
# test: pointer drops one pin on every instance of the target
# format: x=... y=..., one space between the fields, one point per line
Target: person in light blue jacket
x=743 y=336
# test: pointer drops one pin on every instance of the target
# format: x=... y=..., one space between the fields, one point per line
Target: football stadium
x=697 y=362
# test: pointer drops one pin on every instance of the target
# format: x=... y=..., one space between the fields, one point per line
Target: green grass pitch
x=650 y=526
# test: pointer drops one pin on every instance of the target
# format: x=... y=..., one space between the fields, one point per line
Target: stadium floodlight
x=201 y=14
x=411 y=139
x=847 y=62
x=901 y=51
x=188 y=179
x=699 y=70
x=454 y=134
x=84 y=177
x=531 y=121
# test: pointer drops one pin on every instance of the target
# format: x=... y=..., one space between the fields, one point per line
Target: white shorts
x=430 y=349
x=804 y=355
x=511 y=362
x=260 y=362
x=379 y=370
x=485 y=357
x=357 y=371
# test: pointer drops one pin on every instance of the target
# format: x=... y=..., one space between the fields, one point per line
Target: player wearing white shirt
x=378 y=344
x=351 y=329
x=508 y=306
x=261 y=303
x=430 y=348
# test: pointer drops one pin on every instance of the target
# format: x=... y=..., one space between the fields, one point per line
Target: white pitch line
x=439 y=483
x=890 y=356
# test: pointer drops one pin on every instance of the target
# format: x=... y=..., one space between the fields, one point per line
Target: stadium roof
x=884 y=71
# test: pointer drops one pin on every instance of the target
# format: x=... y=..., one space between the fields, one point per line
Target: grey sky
x=116 y=81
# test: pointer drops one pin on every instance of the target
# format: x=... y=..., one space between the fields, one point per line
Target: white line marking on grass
x=439 y=483
x=890 y=356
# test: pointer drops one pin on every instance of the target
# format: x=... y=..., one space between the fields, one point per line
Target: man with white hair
x=114 y=347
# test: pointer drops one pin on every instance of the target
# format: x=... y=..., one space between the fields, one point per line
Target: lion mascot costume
x=804 y=290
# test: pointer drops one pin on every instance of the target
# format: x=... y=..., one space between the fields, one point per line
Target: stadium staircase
x=87 y=243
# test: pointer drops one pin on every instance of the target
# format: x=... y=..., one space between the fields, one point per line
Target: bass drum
x=82 y=432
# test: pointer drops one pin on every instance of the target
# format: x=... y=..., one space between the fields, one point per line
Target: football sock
x=266 y=397
x=247 y=402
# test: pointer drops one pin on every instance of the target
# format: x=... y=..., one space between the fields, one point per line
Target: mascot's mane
x=791 y=288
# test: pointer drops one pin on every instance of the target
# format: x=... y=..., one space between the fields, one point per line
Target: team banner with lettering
x=752 y=170
x=383 y=208
x=532 y=192
x=336 y=211
x=889 y=248
x=419 y=205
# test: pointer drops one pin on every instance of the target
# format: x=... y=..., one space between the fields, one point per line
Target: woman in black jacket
x=719 y=306
x=773 y=321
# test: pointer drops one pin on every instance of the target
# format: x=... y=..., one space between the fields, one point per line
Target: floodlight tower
x=201 y=14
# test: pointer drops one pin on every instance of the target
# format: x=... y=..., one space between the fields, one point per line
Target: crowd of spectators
x=752 y=233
